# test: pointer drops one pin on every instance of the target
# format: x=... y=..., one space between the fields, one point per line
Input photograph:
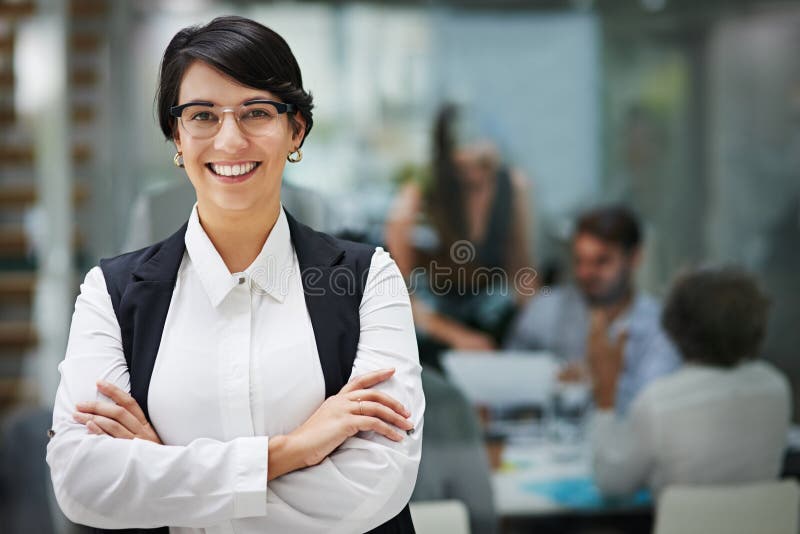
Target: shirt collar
x=630 y=318
x=269 y=273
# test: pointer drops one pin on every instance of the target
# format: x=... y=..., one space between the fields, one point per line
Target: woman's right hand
x=354 y=409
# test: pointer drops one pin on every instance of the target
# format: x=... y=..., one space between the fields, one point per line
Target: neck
x=238 y=236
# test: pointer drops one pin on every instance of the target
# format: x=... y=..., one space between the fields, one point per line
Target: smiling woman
x=229 y=144
x=217 y=380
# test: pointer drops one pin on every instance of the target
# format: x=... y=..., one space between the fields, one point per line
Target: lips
x=235 y=169
x=233 y=172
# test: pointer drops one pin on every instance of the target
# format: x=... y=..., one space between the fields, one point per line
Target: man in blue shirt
x=601 y=315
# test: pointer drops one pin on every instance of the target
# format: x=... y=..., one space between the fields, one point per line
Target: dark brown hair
x=716 y=317
x=445 y=195
x=611 y=224
x=243 y=49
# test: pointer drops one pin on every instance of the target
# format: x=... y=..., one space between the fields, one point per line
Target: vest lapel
x=143 y=311
x=144 y=305
x=334 y=317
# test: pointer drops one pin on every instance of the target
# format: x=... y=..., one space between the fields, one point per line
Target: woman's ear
x=177 y=140
x=298 y=129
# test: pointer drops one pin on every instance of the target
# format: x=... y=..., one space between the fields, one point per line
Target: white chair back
x=438 y=517
x=763 y=508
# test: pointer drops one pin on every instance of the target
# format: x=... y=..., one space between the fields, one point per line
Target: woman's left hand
x=121 y=419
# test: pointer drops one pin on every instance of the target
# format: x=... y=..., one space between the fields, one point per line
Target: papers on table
x=503 y=378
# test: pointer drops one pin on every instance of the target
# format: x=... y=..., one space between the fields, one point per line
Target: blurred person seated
x=459 y=236
x=27 y=501
x=722 y=418
x=454 y=462
x=602 y=317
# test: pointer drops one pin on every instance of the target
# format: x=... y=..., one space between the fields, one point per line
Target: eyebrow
x=208 y=103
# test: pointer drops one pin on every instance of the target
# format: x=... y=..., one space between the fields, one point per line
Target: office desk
x=547 y=478
x=547 y=487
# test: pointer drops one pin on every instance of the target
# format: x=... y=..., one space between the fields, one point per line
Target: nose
x=229 y=138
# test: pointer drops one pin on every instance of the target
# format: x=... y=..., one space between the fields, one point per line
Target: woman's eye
x=203 y=116
x=258 y=114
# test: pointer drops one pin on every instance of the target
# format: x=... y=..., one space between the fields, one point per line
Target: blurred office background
x=687 y=111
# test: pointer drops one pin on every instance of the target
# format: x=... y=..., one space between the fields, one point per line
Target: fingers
x=109 y=411
x=366 y=424
x=381 y=397
x=367 y=380
x=122 y=398
x=98 y=424
x=94 y=429
x=378 y=410
x=622 y=338
x=572 y=372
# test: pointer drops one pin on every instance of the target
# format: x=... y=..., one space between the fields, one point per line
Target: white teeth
x=233 y=170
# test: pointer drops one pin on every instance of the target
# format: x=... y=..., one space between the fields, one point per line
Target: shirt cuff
x=250 y=492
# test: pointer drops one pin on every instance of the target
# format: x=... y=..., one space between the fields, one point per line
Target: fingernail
x=81 y=405
x=77 y=416
x=102 y=383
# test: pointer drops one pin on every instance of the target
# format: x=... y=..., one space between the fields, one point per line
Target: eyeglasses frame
x=280 y=108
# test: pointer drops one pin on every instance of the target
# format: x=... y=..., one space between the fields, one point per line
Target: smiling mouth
x=232 y=171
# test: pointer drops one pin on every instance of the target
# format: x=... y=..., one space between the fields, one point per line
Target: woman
x=459 y=232
x=222 y=354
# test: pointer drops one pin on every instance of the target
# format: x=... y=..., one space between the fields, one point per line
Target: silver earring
x=178 y=159
x=296 y=156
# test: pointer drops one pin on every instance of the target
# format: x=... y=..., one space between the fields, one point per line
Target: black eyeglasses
x=255 y=117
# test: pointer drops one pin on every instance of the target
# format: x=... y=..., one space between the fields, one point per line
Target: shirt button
x=241 y=280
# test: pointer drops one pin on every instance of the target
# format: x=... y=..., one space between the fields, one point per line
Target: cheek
x=279 y=143
x=611 y=271
x=193 y=158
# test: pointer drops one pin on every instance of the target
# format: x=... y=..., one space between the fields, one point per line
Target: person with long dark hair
x=460 y=239
x=247 y=374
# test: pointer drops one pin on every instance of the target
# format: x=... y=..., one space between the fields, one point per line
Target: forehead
x=587 y=244
x=476 y=150
x=202 y=82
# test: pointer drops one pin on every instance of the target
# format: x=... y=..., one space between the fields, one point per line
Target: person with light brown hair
x=723 y=417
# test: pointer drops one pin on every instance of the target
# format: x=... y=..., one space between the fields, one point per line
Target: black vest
x=333 y=275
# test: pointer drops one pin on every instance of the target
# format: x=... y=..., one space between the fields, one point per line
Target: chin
x=226 y=201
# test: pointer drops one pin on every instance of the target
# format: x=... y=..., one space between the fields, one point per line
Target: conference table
x=541 y=483
x=543 y=474
x=551 y=479
x=542 y=478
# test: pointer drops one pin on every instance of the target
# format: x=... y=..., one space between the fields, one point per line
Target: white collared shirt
x=699 y=426
x=237 y=363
